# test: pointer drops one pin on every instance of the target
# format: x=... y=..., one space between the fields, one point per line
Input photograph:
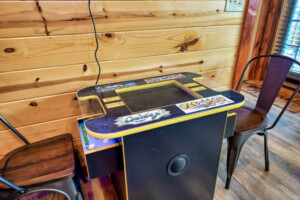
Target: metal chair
x=48 y=165
x=251 y=121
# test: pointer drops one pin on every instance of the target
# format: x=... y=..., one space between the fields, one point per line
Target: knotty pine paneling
x=223 y=76
x=45 y=44
x=32 y=18
x=17 y=85
x=37 y=110
x=37 y=52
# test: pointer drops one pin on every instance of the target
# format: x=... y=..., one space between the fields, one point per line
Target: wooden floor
x=250 y=181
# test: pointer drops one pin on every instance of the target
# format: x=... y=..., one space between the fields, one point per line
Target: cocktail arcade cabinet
x=166 y=133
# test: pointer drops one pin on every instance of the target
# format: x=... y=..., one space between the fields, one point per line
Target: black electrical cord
x=95 y=32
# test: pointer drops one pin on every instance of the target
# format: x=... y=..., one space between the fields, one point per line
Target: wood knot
x=106 y=16
x=115 y=74
x=184 y=46
x=174 y=14
x=37 y=79
x=84 y=67
x=217 y=10
x=33 y=103
x=9 y=50
x=161 y=69
x=109 y=35
x=201 y=62
x=213 y=76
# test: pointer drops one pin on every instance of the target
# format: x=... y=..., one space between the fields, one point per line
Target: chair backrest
x=277 y=71
x=276 y=74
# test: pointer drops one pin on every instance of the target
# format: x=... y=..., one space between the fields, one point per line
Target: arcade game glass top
x=124 y=108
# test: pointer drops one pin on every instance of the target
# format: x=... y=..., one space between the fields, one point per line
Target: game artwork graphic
x=164 y=78
x=204 y=103
x=143 y=117
x=115 y=86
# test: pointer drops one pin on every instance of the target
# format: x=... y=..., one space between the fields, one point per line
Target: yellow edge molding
x=115 y=104
x=84 y=157
x=189 y=90
x=191 y=84
x=231 y=114
x=200 y=88
x=88 y=98
x=162 y=123
x=198 y=78
x=89 y=116
x=110 y=99
x=159 y=84
x=221 y=153
x=125 y=174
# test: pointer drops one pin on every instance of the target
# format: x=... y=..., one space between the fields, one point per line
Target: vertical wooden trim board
x=249 y=20
x=265 y=35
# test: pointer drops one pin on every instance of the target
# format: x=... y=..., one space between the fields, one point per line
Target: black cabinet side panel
x=104 y=162
x=147 y=155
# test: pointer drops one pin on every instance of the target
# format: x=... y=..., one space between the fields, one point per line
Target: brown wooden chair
x=251 y=121
x=46 y=166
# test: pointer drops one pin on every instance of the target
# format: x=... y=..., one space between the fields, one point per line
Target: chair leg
x=69 y=186
x=79 y=168
x=267 y=162
x=77 y=184
x=234 y=148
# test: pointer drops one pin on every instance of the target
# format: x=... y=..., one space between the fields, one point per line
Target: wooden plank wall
x=47 y=48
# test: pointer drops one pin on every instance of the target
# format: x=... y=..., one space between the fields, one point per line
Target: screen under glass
x=155 y=97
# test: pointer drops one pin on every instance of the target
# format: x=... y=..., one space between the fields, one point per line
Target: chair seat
x=249 y=120
x=39 y=162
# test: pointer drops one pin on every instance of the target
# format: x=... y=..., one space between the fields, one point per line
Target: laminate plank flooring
x=250 y=181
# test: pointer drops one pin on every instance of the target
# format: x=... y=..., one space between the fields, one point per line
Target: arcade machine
x=165 y=132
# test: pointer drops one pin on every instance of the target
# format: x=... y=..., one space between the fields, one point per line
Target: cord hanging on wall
x=97 y=45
